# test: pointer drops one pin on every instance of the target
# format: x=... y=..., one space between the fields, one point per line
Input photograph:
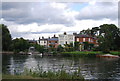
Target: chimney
x=65 y=33
x=74 y=33
x=54 y=36
x=39 y=40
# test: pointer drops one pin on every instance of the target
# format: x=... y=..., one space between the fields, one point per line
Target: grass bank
x=115 y=52
x=82 y=53
x=87 y=53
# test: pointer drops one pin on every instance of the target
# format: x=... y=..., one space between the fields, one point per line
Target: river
x=91 y=68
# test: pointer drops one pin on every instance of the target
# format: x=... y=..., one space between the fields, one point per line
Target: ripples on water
x=91 y=68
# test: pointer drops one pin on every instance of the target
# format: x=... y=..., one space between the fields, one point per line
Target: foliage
x=20 y=44
x=86 y=32
x=88 y=46
x=60 y=74
x=6 y=38
x=108 y=37
x=38 y=47
x=52 y=48
x=60 y=48
x=68 y=47
x=76 y=47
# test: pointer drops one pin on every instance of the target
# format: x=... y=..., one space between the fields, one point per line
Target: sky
x=32 y=20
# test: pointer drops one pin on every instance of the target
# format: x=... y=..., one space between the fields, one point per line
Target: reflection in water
x=91 y=68
x=12 y=67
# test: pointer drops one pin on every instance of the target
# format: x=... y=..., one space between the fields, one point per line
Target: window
x=66 y=42
x=83 y=39
x=89 y=40
x=77 y=39
x=44 y=41
x=96 y=41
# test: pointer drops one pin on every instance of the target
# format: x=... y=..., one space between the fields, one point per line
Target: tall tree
x=20 y=44
x=6 y=38
x=109 y=36
x=95 y=31
x=86 y=32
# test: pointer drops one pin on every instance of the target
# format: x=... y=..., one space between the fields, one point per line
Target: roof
x=43 y=39
x=53 y=39
x=32 y=40
x=79 y=35
x=52 y=43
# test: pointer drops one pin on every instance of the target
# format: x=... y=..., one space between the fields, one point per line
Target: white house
x=66 y=39
x=43 y=42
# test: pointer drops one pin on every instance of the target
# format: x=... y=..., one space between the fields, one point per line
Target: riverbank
x=7 y=52
x=88 y=53
x=5 y=76
x=73 y=53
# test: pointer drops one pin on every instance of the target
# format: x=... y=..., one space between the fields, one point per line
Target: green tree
x=6 y=38
x=38 y=48
x=20 y=44
x=109 y=37
x=76 y=47
x=69 y=47
x=86 y=32
x=95 y=31
x=60 y=48
x=86 y=45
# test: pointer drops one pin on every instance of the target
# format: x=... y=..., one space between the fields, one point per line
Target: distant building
x=43 y=41
x=85 y=38
x=66 y=39
x=53 y=42
x=32 y=41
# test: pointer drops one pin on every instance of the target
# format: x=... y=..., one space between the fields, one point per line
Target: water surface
x=91 y=68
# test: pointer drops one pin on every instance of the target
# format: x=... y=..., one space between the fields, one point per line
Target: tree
x=20 y=44
x=95 y=31
x=86 y=45
x=109 y=36
x=60 y=48
x=76 y=47
x=86 y=32
x=6 y=38
x=39 y=48
x=69 y=47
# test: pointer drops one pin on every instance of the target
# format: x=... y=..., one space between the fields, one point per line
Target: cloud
x=119 y=14
x=41 y=13
x=34 y=31
x=34 y=20
x=99 y=10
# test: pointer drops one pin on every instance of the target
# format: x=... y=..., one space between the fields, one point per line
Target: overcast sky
x=33 y=20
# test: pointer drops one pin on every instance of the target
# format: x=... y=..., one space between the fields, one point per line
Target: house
x=43 y=41
x=53 y=42
x=86 y=38
x=66 y=39
x=32 y=41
